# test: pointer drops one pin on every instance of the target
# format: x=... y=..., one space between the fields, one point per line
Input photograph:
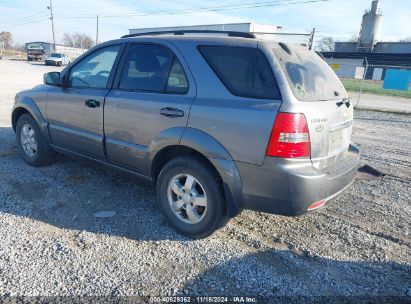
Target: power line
x=26 y=18
x=24 y=23
x=34 y=15
x=188 y=11
x=230 y=6
x=185 y=11
x=94 y=6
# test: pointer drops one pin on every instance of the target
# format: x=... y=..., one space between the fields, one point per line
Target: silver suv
x=219 y=123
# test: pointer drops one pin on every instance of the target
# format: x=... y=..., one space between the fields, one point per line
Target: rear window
x=244 y=71
x=310 y=77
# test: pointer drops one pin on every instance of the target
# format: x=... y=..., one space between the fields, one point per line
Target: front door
x=151 y=95
x=75 y=111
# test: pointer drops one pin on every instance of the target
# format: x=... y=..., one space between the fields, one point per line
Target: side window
x=245 y=71
x=177 y=81
x=153 y=68
x=94 y=70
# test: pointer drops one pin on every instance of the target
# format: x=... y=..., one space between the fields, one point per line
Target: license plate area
x=336 y=140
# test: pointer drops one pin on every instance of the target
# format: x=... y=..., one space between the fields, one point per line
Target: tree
x=327 y=44
x=67 y=40
x=6 y=39
x=78 y=40
x=408 y=39
x=19 y=47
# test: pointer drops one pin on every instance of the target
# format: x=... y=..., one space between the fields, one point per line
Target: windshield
x=35 y=47
x=310 y=77
x=55 y=55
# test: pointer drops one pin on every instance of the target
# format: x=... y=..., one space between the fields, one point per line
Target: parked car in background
x=218 y=123
x=57 y=59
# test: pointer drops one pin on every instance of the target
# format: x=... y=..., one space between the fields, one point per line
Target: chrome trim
x=340 y=126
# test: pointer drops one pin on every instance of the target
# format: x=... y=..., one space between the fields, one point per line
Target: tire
x=207 y=185
x=41 y=153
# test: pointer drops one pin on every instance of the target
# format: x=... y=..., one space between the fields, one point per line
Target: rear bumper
x=290 y=186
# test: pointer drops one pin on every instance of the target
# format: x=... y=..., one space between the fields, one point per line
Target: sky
x=28 y=20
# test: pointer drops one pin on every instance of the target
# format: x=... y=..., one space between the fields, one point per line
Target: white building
x=264 y=30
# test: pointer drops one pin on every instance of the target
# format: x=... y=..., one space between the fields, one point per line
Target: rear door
x=321 y=97
x=153 y=92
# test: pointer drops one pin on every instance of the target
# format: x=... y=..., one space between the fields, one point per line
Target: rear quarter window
x=244 y=71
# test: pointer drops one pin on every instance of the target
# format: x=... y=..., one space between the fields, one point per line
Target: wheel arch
x=17 y=112
x=199 y=144
x=27 y=105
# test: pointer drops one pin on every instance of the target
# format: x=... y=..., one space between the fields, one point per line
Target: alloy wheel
x=28 y=140
x=187 y=198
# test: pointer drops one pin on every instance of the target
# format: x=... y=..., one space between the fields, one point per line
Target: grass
x=373 y=87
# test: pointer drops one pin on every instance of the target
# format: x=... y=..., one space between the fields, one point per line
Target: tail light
x=290 y=137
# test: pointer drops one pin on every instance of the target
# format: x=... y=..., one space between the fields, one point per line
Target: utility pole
x=52 y=25
x=97 y=32
x=311 y=41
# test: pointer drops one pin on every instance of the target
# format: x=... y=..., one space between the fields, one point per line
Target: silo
x=370 y=28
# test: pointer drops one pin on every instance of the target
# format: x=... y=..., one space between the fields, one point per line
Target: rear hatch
x=322 y=99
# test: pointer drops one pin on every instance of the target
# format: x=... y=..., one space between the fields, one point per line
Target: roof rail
x=182 y=32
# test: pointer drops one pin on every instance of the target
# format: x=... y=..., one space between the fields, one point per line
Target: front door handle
x=91 y=103
x=171 y=112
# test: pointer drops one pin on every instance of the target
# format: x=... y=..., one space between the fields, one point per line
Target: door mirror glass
x=52 y=78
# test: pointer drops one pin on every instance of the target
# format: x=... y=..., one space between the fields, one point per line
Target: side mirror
x=52 y=78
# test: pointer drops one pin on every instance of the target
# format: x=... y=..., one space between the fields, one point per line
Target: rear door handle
x=171 y=112
x=91 y=103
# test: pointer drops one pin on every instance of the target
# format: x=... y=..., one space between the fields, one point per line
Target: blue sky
x=28 y=20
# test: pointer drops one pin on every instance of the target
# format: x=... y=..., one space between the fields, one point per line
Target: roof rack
x=182 y=32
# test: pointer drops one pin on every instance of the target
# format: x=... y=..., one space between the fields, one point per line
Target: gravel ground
x=53 y=244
